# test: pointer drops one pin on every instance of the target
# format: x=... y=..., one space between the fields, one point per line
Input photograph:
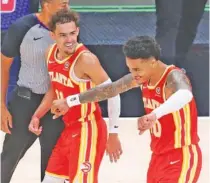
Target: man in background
x=28 y=37
x=176 y=27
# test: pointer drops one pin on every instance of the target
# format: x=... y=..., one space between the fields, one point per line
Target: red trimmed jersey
x=174 y=130
x=64 y=85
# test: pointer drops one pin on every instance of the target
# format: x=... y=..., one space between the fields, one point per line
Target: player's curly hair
x=63 y=16
x=142 y=47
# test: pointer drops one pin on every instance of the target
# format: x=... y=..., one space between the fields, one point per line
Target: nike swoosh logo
x=37 y=38
x=173 y=162
x=74 y=135
x=50 y=62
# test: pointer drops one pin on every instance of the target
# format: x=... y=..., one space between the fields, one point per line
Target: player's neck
x=158 y=73
x=61 y=55
x=44 y=17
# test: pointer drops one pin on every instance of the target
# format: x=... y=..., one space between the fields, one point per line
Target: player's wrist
x=113 y=134
x=35 y=116
x=73 y=100
x=113 y=125
x=157 y=113
x=114 y=129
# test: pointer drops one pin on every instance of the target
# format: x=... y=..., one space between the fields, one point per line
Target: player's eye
x=63 y=35
x=136 y=69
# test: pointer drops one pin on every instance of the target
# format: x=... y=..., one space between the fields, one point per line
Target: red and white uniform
x=174 y=138
x=80 y=148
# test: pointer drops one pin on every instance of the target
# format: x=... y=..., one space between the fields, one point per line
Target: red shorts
x=177 y=166
x=79 y=151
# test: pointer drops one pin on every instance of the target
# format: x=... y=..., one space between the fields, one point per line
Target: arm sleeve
x=175 y=102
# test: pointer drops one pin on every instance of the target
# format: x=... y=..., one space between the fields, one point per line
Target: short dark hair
x=142 y=47
x=63 y=16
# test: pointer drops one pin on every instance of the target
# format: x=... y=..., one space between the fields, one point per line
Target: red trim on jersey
x=182 y=117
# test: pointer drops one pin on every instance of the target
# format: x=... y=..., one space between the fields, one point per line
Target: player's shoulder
x=176 y=72
x=49 y=50
x=176 y=77
x=51 y=46
x=88 y=58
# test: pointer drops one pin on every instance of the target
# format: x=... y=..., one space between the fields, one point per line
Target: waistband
x=26 y=90
x=96 y=115
x=173 y=150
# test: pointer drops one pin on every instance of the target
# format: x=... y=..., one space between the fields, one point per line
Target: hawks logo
x=66 y=65
x=85 y=167
x=8 y=6
x=158 y=90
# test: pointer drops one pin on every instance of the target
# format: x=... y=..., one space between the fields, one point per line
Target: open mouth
x=69 y=45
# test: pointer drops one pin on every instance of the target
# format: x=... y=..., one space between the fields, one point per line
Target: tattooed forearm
x=177 y=80
x=110 y=90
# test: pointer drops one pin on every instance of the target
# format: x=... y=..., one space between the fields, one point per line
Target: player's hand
x=6 y=119
x=34 y=126
x=146 y=122
x=113 y=147
x=59 y=108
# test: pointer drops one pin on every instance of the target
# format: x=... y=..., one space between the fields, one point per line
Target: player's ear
x=153 y=62
x=78 y=31
x=52 y=35
x=46 y=7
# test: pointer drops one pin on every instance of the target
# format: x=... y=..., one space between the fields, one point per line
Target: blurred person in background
x=176 y=27
x=28 y=37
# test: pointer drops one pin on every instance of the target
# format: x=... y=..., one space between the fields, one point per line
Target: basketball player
x=170 y=106
x=74 y=69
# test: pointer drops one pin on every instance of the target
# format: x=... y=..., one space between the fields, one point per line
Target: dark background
x=106 y=42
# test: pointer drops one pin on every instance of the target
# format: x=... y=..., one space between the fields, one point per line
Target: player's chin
x=71 y=49
x=140 y=81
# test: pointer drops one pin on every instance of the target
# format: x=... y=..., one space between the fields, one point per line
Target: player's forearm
x=107 y=91
x=102 y=92
x=99 y=93
x=114 y=109
x=46 y=104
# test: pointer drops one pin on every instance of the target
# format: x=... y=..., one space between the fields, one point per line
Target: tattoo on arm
x=177 y=80
x=110 y=90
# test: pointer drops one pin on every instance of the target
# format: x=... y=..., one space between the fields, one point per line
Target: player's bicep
x=94 y=70
x=176 y=80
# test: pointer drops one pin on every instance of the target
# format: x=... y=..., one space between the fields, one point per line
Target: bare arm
x=104 y=92
x=47 y=101
x=176 y=80
x=6 y=63
x=89 y=67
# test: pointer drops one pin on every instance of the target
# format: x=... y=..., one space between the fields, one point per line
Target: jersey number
x=59 y=94
x=156 y=129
